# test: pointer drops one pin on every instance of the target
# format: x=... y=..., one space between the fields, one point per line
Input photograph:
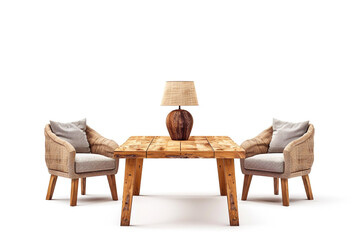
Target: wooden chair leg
x=74 y=191
x=128 y=191
x=276 y=186
x=246 y=186
x=51 y=187
x=285 y=192
x=112 y=185
x=307 y=186
x=138 y=173
x=83 y=186
x=222 y=182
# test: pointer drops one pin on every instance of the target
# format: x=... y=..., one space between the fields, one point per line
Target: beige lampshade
x=179 y=93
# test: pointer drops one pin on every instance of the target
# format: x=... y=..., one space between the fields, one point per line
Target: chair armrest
x=59 y=154
x=258 y=144
x=300 y=152
x=99 y=144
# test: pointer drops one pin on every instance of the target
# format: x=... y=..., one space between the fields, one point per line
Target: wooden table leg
x=222 y=183
x=139 y=165
x=130 y=171
x=231 y=191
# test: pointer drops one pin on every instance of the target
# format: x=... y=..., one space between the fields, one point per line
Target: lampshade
x=179 y=93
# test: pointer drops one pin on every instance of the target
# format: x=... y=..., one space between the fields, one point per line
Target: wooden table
x=136 y=148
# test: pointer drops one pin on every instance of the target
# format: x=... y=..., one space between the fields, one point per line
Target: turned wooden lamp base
x=179 y=124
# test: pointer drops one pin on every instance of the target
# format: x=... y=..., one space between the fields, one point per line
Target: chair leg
x=112 y=185
x=307 y=186
x=51 y=187
x=74 y=191
x=276 y=186
x=285 y=191
x=246 y=186
x=83 y=186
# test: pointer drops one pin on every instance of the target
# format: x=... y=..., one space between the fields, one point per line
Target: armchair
x=62 y=160
x=296 y=160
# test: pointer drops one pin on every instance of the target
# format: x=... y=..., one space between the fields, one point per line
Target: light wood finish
x=225 y=147
x=135 y=146
x=196 y=147
x=246 y=186
x=276 y=186
x=112 y=185
x=221 y=173
x=74 y=191
x=129 y=179
x=229 y=171
x=138 y=173
x=285 y=191
x=307 y=186
x=83 y=186
x=51 y=187
x=164 y=147
x=222 y=148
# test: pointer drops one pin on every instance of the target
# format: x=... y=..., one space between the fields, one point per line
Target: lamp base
x=179 y=124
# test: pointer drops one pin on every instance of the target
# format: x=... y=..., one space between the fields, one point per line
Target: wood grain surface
x=165 y=147
x=135 y=149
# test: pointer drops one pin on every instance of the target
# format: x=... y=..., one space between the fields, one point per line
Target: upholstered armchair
x=62 y=160
x=296 y=160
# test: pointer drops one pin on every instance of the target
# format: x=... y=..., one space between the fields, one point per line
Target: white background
x=108 y=61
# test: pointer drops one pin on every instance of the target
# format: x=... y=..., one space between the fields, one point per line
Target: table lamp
x=179 y=122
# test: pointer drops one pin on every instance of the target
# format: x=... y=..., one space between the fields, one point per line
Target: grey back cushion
x=74 y=133
x=284 y=133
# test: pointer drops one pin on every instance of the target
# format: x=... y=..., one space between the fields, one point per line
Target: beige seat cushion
x=90 y=162
x=268 y=162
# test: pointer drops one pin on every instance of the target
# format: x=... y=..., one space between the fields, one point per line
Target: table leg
x=222 y=182
x=129 y=179
x=231 y=191
x=139 y=165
